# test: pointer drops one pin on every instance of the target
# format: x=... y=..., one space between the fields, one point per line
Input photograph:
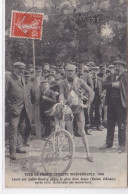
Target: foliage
x=73 y=31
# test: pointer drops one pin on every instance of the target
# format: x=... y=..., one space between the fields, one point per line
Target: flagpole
x=33 y=45
x=37 y=93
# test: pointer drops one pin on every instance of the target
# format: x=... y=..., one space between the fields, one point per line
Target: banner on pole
x=26 y=25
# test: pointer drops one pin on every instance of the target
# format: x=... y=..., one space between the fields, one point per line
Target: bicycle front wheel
x=58 y=152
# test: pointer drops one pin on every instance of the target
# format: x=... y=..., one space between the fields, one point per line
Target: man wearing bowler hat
x=17 y=101
x=116 y=85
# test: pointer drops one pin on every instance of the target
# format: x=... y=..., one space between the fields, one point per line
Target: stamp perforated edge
x=25 y=13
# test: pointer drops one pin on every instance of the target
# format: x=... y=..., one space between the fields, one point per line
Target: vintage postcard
x=65 y=104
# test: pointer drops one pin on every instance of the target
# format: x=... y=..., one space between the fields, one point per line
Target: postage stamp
x=26 y=25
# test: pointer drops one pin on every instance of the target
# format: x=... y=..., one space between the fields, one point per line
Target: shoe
x=77 y=134
x=90 y=159
x=121 y=149
x=88 y=132
x=13 y=156
x=100 y=128
x=105 y=124
x=20 y=151
x=67 y=157
x=105 y=146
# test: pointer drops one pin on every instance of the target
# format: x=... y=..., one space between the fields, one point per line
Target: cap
x=47 y=64
x=102 y=66
x=70 y=67
x=111 y=66
x=120 y=62
x=19 y=64
x=86 y=68
x=53 y=67
x=92 y=64
x=95 y=68
x=46 y=68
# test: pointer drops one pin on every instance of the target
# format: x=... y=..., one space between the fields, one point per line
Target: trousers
x=15 y=135
x=116 y=114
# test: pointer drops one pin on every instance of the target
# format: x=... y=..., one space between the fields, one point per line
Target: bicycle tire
x=71 y=150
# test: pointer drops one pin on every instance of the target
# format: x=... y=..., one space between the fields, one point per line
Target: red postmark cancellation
x=26 y=25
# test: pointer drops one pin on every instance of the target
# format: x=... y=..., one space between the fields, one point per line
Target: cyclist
x=71 y=89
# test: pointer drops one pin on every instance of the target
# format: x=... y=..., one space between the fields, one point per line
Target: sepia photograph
x=65 y=94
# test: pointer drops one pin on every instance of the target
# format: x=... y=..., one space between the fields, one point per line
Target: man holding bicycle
x=71 y=93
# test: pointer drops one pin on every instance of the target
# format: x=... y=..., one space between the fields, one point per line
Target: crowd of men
x=95 y=94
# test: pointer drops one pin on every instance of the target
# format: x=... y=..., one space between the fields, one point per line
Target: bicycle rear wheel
x=58 y=152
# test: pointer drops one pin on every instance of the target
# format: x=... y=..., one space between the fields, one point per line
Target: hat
x=70 y=67
x=86 y=68
x=47 y=64
x=102 y=66
x=95 y=68
x=42 y=80
x=53 y=67
x=19 y=64
x=120 y=62
x=92 y=64
x=111 y=66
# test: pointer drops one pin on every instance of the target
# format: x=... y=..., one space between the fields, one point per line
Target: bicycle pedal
x=67 y=157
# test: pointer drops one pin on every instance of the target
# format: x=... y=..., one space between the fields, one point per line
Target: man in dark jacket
x=17 y=102
x=116 y=96
x=95 y=118
x=47 y=100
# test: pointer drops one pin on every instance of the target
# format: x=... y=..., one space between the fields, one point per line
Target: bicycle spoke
x=58 y=151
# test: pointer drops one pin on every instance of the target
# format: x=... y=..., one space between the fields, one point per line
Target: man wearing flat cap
x=116 y=86
x=47 y=100
x=71 y=90
x=95 y=117
x=17 y=102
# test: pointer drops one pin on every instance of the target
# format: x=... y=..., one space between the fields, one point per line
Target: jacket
x=107 y=84
x=16 y=94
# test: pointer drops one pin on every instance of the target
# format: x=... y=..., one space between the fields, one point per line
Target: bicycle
x=59 y=147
